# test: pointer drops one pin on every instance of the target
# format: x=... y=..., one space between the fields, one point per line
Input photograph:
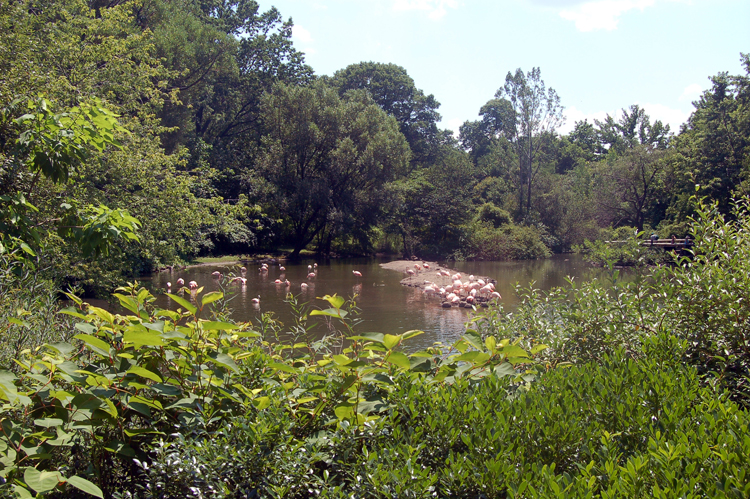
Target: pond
x=385 y=305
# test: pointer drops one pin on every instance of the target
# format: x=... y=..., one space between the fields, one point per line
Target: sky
x=600 y=56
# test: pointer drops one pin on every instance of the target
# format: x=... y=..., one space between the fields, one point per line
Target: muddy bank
x=426 y=272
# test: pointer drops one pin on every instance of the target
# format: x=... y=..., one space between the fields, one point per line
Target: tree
x=713 y=148
x=633 y=128
x=325 y=155
x=630 y=188
x=395 y=92
x=536 y=113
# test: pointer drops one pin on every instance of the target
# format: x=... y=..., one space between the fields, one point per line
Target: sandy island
x=431 y=275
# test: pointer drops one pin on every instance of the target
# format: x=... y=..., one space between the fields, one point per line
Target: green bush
x=508 y=242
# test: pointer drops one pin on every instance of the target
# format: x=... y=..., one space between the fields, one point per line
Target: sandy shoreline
x=431 y=275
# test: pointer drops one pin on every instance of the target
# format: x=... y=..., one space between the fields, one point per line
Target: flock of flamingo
x=473 y=288
x=469 y=292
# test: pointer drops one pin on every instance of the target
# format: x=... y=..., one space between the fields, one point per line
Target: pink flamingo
x=180 y=281
x=357 y=273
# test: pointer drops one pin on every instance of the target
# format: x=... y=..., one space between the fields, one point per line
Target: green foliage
x=130 y=380
x=507 y=242
x=327 y=159
x=498 y=217
x=52 y=145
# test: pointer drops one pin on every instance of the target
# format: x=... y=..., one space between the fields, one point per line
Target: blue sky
x=599 y=55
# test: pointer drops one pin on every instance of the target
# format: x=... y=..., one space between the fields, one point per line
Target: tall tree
x=395 y=92
x=633 y=128
x=630 y=189
x=326 y=155
x=713 y=149
x=536 y=113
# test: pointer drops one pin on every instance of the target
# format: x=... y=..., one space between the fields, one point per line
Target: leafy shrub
x=509 y=242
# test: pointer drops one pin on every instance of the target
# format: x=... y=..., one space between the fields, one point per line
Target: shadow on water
x=385 y=305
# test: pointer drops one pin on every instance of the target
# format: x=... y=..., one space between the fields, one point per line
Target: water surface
x=385 y=305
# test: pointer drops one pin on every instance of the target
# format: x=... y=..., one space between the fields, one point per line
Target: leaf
x=183 y=303
x=490 y=343
x=261 y=403
x=474 y=339
x=514 y=351
x=216 y=326
x=411 y=334
x=8 y=390
x=420 y=365
x=211 y=297
x=376 y=337
x=41 y=481
x=48 y=422
x=141 y=338
x=391 y=341
x=145 y=373
x=330 y=312
x=85 y=486
x=538 y=348
x=282 y=367
x=335 y=301
x=399 y=359
x=95 y=343
x=505 y=369
x=225 y=360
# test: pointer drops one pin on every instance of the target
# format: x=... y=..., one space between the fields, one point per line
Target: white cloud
x=301 y=34
x=435 y=9
x=602 y=14
x=691 y=92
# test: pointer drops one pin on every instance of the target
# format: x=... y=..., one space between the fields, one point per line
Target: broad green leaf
x=474 y=339
x=8 y=390
x=133 y=432
x=95 y=343
x=211 y=297
x=282 y=367
x=48 y=422
x=514 y=351
x=261 y=403
x=85 y=486
x=376 y=337
x=145 y=373
x=226 y=361
x=344 y=411
x=18 y=322
x=335 y=300
x=420 y=364
x=330 y=312
x=490 y=343
x=103 y=314
x=390 y=341
x=411 y=334
x=217 y=326
x=505 y=369
x=128 y=302
x=183 y=303
x=41 y=481
x=538 y=348
x=140 y=338
x=399 y=359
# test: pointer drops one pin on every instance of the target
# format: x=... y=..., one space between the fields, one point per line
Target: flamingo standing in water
x=180 y=281
x=357 y=273
x=256 y=300
x=193 y=285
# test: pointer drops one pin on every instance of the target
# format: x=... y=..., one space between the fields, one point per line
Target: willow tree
x=326 y=159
